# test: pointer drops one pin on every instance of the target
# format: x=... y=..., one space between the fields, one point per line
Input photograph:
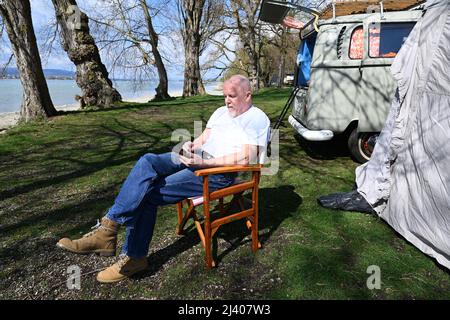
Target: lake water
x=64 y=91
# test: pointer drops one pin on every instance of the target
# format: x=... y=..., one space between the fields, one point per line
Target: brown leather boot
x=102 y=240
x=123 y=268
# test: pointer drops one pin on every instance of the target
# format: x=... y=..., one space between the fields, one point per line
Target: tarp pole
x=334 y=11
x=286 y=108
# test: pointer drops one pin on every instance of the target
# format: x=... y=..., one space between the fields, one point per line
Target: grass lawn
x=58 y=176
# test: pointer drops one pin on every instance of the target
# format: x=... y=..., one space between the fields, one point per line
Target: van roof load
x=347 y=7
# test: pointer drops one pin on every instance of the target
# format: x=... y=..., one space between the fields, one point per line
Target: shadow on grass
x=275 y=205
x=87 y=209
x=270 y=217
x=88 y=168
x=159 y=258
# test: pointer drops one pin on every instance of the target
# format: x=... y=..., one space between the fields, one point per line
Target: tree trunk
x=281 y=71
x=192 y=78
x=36 y=100
x=162 y=89
x=92 y=76
x=192 y=14
x=245 y=13
x=254 y=70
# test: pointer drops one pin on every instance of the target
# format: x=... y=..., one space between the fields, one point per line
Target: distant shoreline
x=72 y=78
x=9 y=119
x=46 y=78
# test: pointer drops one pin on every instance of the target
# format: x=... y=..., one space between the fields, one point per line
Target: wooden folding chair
x=209 y=227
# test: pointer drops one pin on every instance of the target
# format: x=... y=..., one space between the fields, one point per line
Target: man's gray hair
x=241 y=81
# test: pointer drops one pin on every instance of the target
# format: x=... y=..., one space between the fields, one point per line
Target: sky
x=43 y=15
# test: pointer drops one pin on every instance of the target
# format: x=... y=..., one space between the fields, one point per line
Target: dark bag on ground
x=348 y=201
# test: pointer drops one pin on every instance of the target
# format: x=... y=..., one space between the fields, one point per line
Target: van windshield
x=304 y=59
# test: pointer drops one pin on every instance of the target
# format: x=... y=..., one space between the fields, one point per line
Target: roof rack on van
x=347 y=7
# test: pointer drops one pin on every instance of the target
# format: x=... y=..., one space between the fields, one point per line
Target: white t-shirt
x=229 y=134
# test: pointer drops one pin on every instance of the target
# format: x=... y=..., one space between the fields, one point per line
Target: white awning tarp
x=407 y=180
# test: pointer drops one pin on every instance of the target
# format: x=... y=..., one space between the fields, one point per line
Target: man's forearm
x=237 y=158
x=200 y=141
x=197 y=144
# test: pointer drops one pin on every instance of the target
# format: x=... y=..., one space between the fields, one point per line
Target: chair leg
x=208 y=255
x=205 y=236
x=254 y=227
x=208 y=243
x=179 y=230
x=251 y=222
x=255 y=243
x=251 y=226
x=182 y=219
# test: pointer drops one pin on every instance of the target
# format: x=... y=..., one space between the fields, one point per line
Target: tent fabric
x=407 y=180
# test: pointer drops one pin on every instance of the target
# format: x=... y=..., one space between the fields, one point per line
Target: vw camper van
x=343 y=80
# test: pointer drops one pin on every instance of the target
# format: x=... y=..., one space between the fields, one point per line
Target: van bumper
x=310 y=135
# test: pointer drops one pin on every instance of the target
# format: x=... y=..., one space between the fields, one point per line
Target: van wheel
x=361 y=144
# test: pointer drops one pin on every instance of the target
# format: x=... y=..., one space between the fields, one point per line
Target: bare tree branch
x=130 y=23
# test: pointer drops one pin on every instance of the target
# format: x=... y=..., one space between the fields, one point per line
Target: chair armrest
x=227 y=169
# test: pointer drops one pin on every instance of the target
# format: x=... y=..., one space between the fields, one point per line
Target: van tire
x=358 y=145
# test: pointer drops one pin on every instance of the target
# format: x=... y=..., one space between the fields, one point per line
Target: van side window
x=357 y=43
x=386 y=39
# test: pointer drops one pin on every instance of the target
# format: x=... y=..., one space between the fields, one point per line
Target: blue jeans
x=155 y=180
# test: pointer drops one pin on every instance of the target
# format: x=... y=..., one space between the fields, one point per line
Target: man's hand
x=193 y=160
x=187 y=149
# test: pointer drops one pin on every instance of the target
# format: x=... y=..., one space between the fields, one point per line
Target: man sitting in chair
x=233 y=136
